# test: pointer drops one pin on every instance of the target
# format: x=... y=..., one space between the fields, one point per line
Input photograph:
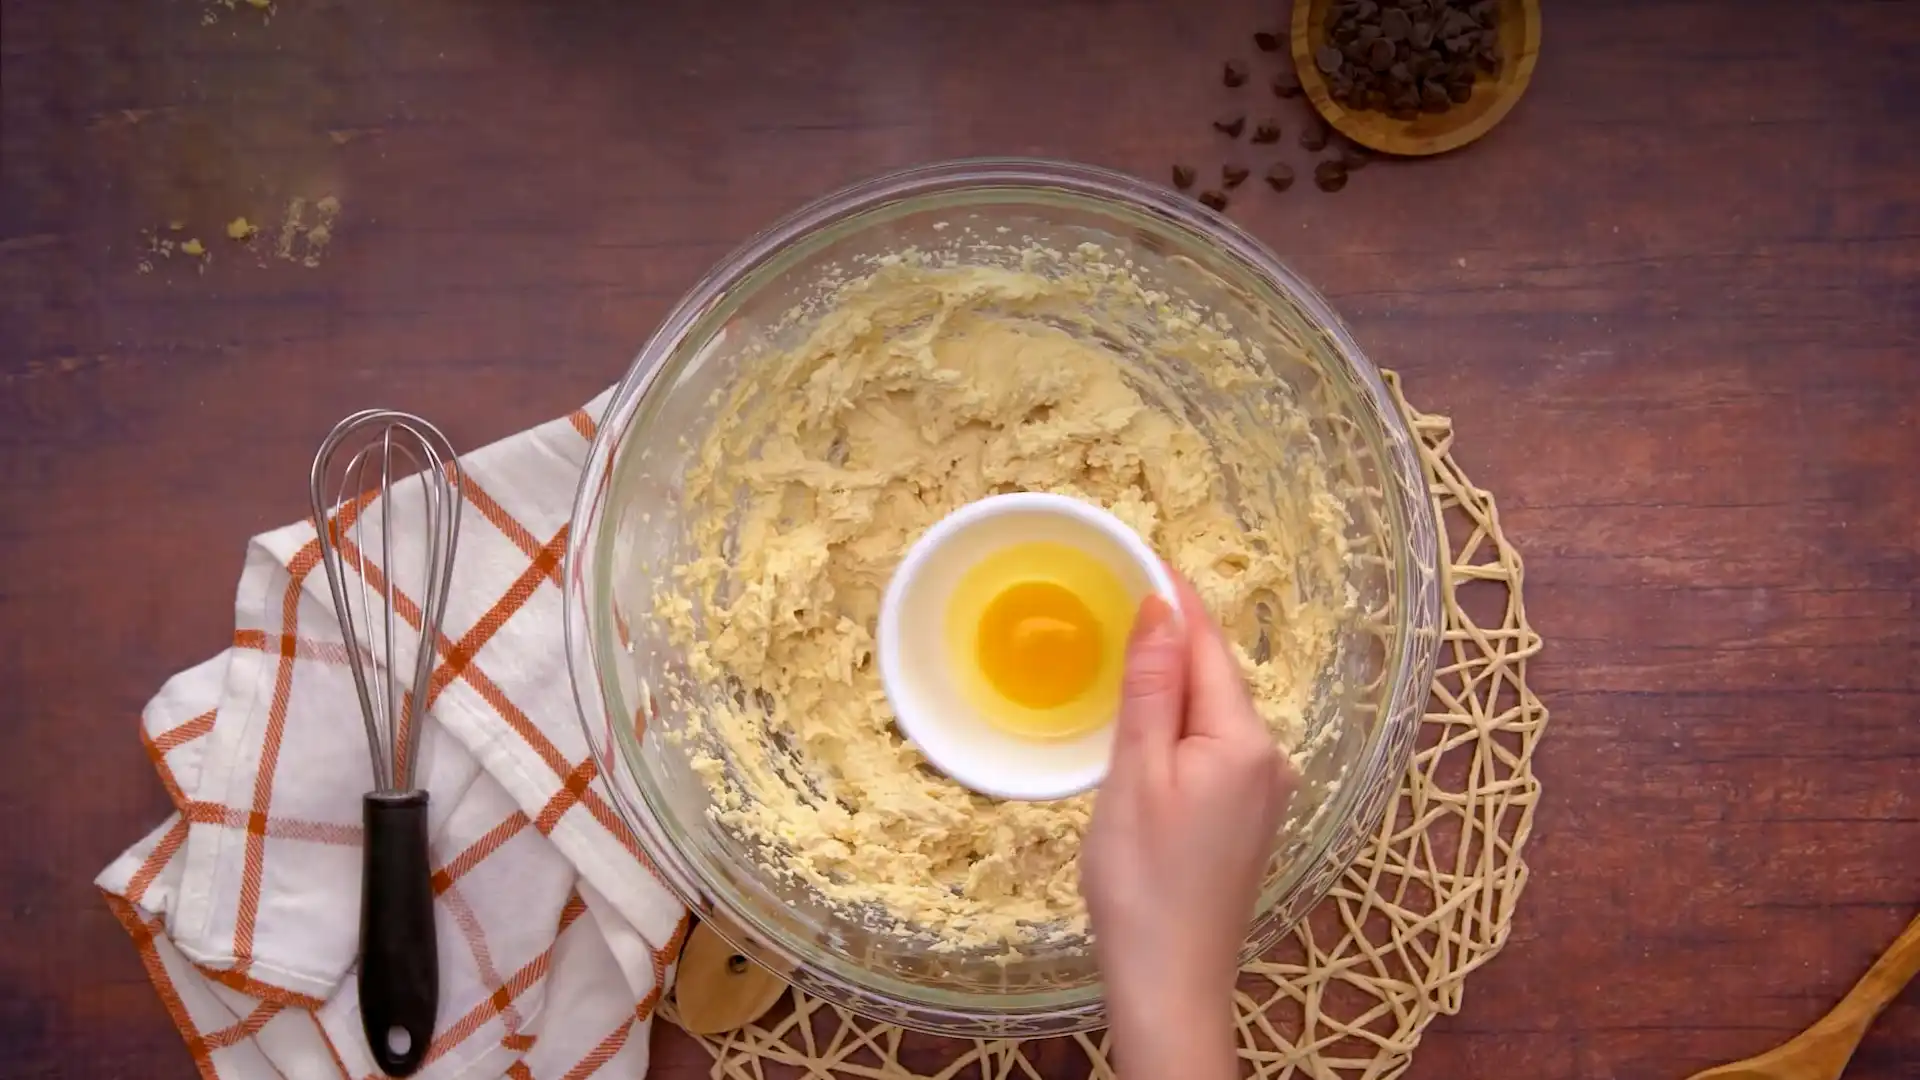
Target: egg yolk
x=1034 y=637
x=1039 y=644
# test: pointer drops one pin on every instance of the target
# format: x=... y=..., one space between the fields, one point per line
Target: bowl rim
x=1411 y=664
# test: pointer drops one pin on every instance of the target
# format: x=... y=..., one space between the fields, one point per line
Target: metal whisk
x=393 y=521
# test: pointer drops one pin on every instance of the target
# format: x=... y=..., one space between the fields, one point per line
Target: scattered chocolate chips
x=1405 y=57
x=1394 y=56
x=1314 y=135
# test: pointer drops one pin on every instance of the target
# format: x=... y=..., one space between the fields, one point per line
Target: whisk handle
x=399 y=960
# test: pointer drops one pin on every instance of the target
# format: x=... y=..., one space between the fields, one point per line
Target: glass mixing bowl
x=627 y=518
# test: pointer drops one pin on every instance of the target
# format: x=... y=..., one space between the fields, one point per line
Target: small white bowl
x=916 y=663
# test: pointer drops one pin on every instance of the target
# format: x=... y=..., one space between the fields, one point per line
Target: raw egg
x=1036 y=634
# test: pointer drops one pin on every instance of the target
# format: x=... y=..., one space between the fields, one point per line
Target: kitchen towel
x=556 y=936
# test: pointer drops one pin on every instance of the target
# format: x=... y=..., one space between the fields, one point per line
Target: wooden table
x=1673 y=304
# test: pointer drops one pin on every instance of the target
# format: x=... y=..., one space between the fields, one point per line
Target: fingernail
x=1155 y=626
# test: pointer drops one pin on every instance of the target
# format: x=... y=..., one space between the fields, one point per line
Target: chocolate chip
x=1183 y=176
x=1214 y=200
x=1280 y=177
x=1354 y=158
x=1230 y=124
x=1267 y=131
x=1232 y=176
x=1330 y=175
x=1234 y=73
x=1387 y=52
x=1286 y=84
x=1268 y=41
x=1314 y=135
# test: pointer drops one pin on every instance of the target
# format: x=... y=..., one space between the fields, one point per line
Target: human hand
x=1183 y=828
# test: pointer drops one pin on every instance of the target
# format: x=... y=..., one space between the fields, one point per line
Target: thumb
x=1153 y=692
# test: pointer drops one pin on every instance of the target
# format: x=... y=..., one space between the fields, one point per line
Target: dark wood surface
x=1673 y=304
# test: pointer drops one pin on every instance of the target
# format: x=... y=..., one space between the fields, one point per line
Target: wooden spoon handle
x=717 y=989
x=1884 y=980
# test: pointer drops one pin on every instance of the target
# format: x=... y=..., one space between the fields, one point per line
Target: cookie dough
x=909 y=392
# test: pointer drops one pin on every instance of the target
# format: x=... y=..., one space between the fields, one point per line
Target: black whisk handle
x=399 y=962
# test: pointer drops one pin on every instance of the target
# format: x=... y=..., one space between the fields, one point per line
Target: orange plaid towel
x=556 y=939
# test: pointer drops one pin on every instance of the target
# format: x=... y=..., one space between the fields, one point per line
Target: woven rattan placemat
x=1428 y=900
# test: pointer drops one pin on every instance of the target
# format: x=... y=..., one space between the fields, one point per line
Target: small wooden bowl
x=1427 y=133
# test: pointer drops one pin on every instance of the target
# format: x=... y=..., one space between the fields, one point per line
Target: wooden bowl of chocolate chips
x=1415 y=77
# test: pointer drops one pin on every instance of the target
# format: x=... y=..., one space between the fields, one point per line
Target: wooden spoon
x=1821 y=1052
x=1427 y=133
x=718 y=989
